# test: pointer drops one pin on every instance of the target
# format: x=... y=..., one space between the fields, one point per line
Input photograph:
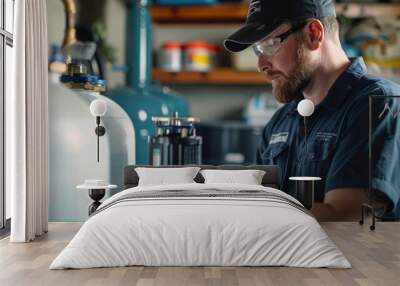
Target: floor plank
x=374 y=255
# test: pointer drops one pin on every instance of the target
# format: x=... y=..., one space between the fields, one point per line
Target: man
x=298 y=49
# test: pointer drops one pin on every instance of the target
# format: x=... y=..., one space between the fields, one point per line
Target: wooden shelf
x=216 y=76
x=228 y=13
x=236 y=13
x=368 y=9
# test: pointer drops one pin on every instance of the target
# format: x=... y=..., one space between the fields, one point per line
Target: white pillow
x=248 y=177
x=164 y=176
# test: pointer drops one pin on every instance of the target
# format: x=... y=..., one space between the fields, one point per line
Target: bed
x=201 y=224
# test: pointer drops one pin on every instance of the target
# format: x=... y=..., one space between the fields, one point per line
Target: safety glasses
x=270 y=46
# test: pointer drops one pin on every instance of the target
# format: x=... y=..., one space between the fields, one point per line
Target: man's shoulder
x=368 y=86
x=374 y=85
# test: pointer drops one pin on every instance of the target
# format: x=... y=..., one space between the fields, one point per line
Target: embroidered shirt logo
x=280 y=137
x=325 y=136
x=254 y=7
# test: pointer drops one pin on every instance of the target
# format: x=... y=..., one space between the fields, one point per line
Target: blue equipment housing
x=142 y=99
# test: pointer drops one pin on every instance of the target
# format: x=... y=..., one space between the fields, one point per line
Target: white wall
x=55 y=21
x=115 y=21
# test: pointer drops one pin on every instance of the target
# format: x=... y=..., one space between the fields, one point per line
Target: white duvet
x=200 y=231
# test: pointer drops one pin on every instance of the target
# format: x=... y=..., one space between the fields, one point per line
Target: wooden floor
x=375 y=257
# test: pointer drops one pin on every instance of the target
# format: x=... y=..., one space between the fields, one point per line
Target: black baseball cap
x=264 y=16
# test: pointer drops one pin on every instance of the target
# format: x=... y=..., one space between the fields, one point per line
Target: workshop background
x=232 y=100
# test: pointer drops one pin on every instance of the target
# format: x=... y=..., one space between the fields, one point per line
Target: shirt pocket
x=320 y=150
x=275 y=154
x=320 y=153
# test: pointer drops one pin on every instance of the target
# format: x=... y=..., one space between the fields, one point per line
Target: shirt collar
x=341 y=88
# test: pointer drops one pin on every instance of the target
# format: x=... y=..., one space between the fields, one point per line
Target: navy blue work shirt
x=337 y=139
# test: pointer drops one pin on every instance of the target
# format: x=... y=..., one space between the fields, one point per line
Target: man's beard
x=285 y=89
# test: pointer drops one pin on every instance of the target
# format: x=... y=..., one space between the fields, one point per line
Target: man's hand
x=340 y=205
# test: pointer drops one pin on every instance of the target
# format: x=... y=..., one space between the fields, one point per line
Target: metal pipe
x=70 y=31
x=138 y=44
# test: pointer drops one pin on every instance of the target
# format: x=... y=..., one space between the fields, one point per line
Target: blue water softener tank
x=141 y=99
x=174 y=102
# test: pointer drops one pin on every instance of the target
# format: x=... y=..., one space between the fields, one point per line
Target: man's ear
x=315 y=34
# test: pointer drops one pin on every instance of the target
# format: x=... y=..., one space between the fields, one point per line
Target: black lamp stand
x=100 y=131
x=364 y=209
x=96 y=195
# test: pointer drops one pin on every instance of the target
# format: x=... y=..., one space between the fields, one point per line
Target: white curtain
x=27 y=123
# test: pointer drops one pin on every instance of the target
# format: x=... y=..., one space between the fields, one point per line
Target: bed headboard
x=270 y=179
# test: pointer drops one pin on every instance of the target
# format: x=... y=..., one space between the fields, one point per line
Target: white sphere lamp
x=305 y=108
x=98 y=108
x=305 y=185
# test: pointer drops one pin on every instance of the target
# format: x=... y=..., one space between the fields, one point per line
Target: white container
x=73 y=148
x=170 y=58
